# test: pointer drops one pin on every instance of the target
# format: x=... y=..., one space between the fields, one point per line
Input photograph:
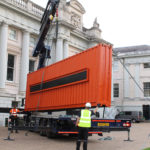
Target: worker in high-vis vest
x=84 y=123
x=14 y=116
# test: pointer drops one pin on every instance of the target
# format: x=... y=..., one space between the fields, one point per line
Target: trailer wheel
x=42 y=133
x=133 y=120
x=50 y=134
x=42 y=124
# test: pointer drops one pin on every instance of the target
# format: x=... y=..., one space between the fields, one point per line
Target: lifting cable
x=47 y=60
x=56 y=36
x=41 y=86
x=42 y=80
x=56 y=24
x=116 y=55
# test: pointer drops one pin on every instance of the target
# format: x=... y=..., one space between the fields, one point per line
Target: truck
x=55 y=94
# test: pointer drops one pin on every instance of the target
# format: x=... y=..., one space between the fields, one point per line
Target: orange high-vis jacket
x=14 y=112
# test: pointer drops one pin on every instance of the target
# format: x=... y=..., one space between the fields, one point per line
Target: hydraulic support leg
x=9 y=133
x=129 y=140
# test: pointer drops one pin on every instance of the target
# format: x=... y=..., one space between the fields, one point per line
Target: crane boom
x=46 y=21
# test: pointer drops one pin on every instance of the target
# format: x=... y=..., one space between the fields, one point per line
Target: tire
x=50 y=134
x=133 y=120
x=42 y=133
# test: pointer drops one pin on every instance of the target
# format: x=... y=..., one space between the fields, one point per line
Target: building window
x=146 y=89
x=10 y=67
x=12 y=34
x=32 y=41
x=146 y=65
x=31 y=66
x=116 y=90
x=116 y=66
x=128 y=113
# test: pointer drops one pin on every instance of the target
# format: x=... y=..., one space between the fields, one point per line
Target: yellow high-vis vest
x=85 y=119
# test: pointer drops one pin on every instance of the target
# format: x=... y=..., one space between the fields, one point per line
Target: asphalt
x=140 y=134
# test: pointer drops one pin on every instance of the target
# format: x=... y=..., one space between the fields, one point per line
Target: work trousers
x=82 y=136
x=14 y=121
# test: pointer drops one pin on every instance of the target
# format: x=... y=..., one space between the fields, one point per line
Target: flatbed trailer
x=65 y=125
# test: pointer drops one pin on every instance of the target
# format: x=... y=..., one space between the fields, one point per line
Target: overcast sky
x=123 y=22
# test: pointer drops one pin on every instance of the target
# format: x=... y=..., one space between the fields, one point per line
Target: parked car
x=135 y=116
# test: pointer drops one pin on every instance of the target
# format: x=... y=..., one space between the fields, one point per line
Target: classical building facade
x=131 y=78
x=19 y=29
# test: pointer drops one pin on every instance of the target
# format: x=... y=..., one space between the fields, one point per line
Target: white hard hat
x=88 y=105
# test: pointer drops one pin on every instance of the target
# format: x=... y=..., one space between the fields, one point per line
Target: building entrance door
x=146 y=112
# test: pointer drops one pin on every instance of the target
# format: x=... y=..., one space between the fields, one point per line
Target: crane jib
x=46 y=23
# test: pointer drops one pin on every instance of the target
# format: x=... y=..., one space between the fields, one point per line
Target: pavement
x=140 y=134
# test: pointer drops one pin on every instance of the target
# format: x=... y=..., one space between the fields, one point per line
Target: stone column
x=126 y=82
x=52 y=44
x=66 y=50
x=24 y=61
x=3 y=54
x=112 y=83
x=137 y=78
x=53 y=52
x=59 y=49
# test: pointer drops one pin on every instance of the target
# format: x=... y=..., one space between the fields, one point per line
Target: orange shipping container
x=70 y=83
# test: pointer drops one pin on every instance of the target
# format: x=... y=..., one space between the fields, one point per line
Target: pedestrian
x=84 y=123
x=14 y=117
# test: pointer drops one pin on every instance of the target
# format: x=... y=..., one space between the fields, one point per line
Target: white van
x=135 y=116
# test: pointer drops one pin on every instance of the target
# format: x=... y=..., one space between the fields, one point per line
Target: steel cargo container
x=70 y=83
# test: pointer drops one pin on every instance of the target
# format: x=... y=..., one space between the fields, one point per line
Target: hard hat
x=88 y=105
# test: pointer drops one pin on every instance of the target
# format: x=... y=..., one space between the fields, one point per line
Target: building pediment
x=76 y=5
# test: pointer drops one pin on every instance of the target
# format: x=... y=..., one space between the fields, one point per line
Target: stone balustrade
x=28 y=6
x=19 y=3
x=37 y=10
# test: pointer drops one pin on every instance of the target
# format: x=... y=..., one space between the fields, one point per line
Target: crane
x=42 y=50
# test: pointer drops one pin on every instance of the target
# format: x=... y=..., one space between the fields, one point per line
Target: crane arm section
x=46 y=22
